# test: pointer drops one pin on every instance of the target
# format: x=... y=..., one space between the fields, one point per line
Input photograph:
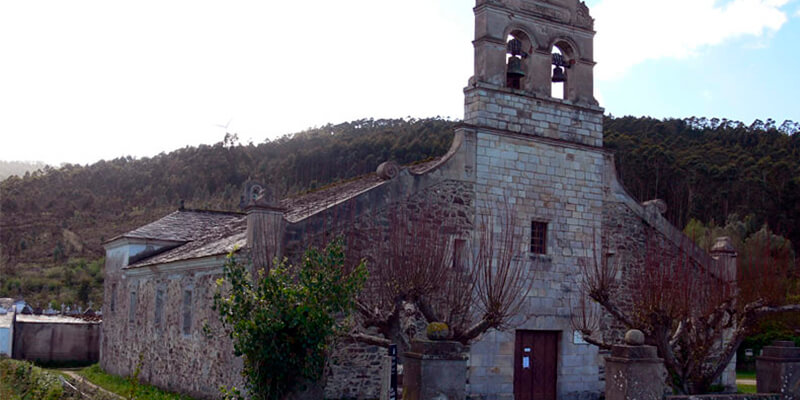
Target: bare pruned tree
x=472 y=278
x=696 y=314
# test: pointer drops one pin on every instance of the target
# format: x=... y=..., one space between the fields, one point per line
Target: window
x=517 y=48
x=159 y=314
x=187 y=312
x=458 y=254
x=113 y=305
x=538 y=237
x=132 y=308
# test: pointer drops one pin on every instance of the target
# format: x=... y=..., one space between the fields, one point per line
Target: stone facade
x=518 y=148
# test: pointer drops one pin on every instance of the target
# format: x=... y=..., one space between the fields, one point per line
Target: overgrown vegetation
x=21 y=380
x=77 y=282
x=282 y=321
x=126 y=387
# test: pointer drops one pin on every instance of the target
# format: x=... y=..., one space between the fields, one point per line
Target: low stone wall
x=56 y=341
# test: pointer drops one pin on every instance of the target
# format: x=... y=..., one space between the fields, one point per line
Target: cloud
x=634 y=31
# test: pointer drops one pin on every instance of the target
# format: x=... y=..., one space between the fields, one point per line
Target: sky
x=85 y=80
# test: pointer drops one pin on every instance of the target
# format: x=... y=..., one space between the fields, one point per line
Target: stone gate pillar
x=634 y=371
x=778 y=370
x=435 y=370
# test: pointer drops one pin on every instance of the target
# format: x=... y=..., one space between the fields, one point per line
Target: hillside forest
x=714 y=175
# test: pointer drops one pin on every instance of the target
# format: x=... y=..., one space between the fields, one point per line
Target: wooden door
x=535 y=365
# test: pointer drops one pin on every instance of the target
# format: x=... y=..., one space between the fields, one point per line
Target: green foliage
x=708 y=169
x=76 y=282
x=283 y=323
x=124 y=387
x=21 y=380
x=746 y=389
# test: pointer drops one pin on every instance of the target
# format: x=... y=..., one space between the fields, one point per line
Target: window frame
x=538 y=242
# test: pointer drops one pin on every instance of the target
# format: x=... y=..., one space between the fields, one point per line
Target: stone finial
x=437 y=331
x=257 y=195
x=634 y=337
x=656 y=204
x=723 y=244
x=388 y=170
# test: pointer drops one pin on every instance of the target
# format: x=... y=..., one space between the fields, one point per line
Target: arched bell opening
x=518 y=48
x=563 y=58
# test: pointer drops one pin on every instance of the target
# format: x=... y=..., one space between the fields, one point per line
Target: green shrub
x=22 y=380
x=282 y=323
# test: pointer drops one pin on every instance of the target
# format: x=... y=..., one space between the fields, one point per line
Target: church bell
x=558 y=74
x=515 y=68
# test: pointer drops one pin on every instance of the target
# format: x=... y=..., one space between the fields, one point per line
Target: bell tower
x=516 y=39
x=530 y=53
x=533 y=139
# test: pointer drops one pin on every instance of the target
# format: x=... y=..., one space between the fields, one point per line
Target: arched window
x=563 y=58
x=518 y=47
x=559 y=74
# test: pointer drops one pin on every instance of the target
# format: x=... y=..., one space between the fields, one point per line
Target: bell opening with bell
x=515 y=71
x=559 y=74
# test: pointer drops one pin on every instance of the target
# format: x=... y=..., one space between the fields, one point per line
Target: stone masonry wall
x=637 y=237
x=523 y=113
x=560 y=184
x=194 y=363
x=198 y=364
x=354 y=369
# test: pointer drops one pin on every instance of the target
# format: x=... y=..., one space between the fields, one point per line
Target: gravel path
x=85 y=382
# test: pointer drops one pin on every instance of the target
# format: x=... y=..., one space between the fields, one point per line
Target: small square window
x=538 y=237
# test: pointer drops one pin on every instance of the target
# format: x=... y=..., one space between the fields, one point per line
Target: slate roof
x=197 y=233
x=200 y=233
x=187 y=225
x=300 y=207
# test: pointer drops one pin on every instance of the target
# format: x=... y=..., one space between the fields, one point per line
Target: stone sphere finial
x=658 y=205
x=723 y=244
x=634 y=337
x=388 y=170
x=437 y=331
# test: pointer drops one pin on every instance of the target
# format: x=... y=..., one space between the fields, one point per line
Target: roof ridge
x=209 y=211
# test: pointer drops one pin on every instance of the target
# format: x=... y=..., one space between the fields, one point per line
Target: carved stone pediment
x=571 y=12
x=582 y=17
x=552 y=10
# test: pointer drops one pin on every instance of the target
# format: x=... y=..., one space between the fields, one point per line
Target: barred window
x=538 y=237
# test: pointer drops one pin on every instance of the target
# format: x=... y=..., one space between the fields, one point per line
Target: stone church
x=531 y=136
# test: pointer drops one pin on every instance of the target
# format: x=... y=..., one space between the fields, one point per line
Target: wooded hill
x=54 y=221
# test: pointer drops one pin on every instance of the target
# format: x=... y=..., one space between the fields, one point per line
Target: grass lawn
x=746 y=388
x=125 y=388
x=745 y=374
